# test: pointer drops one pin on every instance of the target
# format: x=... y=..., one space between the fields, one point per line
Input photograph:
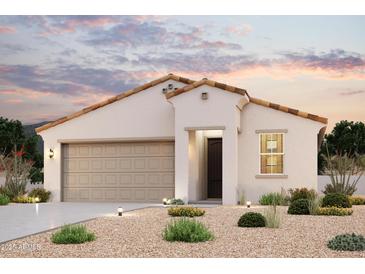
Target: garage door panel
x=118 y=165
x=119 y=150
x=140 y=171
x=118 y=180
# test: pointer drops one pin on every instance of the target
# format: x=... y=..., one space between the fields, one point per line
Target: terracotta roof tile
x=205 y=82
x=190 y=84
x=289 y=110
x=114 y=99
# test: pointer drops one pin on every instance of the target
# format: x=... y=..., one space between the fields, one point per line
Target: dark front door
x=215 y=168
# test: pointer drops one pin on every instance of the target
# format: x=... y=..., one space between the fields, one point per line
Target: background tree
x=346 y=138
x=13 y=137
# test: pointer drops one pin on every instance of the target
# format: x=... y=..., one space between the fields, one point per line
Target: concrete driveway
x=19 y=220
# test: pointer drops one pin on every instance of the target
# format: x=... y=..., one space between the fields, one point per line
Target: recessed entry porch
x=205 y=166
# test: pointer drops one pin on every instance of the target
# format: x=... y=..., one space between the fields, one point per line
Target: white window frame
x=275 y=153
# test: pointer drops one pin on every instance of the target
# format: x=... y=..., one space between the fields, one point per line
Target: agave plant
x=345 y=172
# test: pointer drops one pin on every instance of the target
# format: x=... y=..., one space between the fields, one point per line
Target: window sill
x=271 y=176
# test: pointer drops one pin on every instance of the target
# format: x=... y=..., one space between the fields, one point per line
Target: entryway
x=205 y=166
x=214 y=170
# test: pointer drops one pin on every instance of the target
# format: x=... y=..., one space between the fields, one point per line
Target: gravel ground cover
x=139 y=234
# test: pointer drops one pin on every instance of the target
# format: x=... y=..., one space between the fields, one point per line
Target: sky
x=51 y=66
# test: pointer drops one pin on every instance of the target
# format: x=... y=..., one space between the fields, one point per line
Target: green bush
x=347 y=242
x=72 y=234
x=4 y=200
x=357 y=200
x=252 y=219
x=273 y=198
x=299 y=207
x=334 y=211
x=301 y=193
x=187 y=230
x=337 y=200
x=185 y=211
x=41 y=193
x=174 y=201
x=24 y=200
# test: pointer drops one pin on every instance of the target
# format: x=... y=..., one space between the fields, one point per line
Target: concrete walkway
x=19 y=220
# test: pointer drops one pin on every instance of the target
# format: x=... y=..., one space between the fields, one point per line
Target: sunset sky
x=53 y=66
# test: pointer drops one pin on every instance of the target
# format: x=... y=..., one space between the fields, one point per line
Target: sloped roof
x=190 y=84
x=209 y=83
x=289 y=110
x=114 y=99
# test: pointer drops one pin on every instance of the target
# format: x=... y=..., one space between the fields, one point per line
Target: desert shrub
x=241 y=195
x=357 y=200
x=299 y=207
x=186 y=230
x=314 y=204
x=72 y=234
x=301 y=193
x=341 y=168
x=334 y=211
x=337 y=200
x=24 y=200
x=17 y=170
x=347 y=242
x=174 y=201
x=4 y=200
x=252 y=219
x=41 y=193
x=273 y=198
x=272 y=217
x=185 y=211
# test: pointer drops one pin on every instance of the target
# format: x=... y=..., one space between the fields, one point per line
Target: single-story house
x=175 y=137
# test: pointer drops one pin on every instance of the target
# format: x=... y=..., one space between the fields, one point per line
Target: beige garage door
x=126 y=172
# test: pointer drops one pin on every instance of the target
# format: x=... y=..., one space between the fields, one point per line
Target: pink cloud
x=239 y=30
x=14 y=101
x=8 y=92
x=7 y=29
x=72 y=23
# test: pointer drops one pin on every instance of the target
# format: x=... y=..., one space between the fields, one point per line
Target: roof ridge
x=115 y=98
x=206 y=81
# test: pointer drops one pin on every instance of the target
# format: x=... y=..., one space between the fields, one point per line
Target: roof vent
x=204 y=96
x=164 y=90
x=170 y=86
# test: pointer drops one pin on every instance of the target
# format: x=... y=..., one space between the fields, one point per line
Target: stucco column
x=230 y=166
x=182 y=165
x=52 y=170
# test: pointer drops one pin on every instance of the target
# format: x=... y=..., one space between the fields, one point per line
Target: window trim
x=281 y=153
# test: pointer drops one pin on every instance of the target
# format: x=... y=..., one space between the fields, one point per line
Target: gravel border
x=139 y=234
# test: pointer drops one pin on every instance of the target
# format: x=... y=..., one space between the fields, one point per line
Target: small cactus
x=347 y=242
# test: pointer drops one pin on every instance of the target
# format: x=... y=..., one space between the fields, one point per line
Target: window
x=271 y=153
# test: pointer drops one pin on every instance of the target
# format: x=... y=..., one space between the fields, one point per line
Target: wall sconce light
x=248 y=203
x=120 y=211
x=204 y=95
x=51 y=153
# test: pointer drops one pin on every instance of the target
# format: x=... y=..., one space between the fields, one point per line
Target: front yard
x=139 y=234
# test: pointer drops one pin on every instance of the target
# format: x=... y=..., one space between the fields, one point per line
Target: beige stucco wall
x=185 y=118
x=300 y=148
x=145 y=115
x=191 y=112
